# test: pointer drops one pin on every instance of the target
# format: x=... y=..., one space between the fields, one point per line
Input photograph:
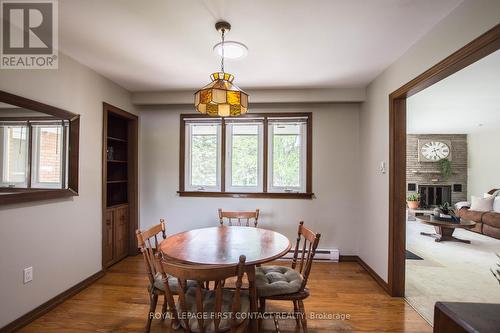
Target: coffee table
x=444 y=230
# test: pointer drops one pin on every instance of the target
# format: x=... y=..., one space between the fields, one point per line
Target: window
x=244 y=159
x=47 y=156
x=287 y=156
x=204 y=151
x=44 y=143
x=14 y=155
x=257 y=155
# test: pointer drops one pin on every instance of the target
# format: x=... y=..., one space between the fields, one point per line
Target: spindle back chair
x=246 y=217
x=201 y=301
x=148 y=244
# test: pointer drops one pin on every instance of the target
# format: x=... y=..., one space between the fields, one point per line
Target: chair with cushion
x=148 y=243
x=239 y=216
x=208 y=310
x=289 y=284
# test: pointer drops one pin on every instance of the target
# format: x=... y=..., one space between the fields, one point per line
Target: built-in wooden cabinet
x=116 y=234
x=119 y=185
x=107 y=249
x=120 y=231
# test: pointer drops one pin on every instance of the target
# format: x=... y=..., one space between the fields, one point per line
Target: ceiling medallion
x=221 y=97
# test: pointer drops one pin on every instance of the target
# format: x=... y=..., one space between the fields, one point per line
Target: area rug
x=412 y=256
x=450 y=271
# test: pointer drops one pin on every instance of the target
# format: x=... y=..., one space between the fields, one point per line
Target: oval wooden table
x=223 y=245
x=444 y=229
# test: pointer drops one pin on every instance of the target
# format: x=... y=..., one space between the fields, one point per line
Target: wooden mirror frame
x=18 y=195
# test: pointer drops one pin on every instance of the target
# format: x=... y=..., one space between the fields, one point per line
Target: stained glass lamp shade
x=221 y=97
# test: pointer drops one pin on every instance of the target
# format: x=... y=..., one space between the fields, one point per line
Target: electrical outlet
x=28 y=274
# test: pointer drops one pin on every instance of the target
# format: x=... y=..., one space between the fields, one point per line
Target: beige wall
x=469 y=20
x=61 y=239
x=333 y=213
x=484 y=161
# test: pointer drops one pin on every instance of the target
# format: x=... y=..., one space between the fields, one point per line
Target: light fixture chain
x=222 y=60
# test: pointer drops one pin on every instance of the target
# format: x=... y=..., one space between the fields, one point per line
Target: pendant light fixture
x=221 y=97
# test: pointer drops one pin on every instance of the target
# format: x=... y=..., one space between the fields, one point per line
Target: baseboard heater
x=321 y=255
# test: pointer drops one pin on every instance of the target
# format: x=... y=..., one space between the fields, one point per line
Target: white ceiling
x=167 y=45
x=465 y=102
x=7 y=106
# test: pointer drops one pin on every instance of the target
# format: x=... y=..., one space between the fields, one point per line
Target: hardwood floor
x=119 y=302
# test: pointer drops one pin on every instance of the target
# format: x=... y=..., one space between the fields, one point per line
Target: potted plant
x=448 y=211
x=413 y=201
x=445 y=165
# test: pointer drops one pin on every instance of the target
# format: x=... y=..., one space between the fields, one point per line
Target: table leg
x=444 y=234
x=447 y=235
x=436 y=237
x=253 y=297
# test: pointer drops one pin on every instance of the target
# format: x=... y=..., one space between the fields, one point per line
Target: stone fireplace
x=426 y=177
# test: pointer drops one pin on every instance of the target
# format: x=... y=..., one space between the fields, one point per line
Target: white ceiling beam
x=326 y=95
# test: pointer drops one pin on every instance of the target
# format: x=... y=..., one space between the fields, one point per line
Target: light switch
x=383 y=168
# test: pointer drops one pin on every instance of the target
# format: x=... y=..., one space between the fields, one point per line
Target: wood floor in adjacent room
x=119 y=302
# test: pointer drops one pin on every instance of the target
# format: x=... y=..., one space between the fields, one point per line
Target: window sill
x=14 y=196
x=246 y=195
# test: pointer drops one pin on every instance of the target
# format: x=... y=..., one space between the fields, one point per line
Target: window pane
x=204 y=143
x=245 y=155
x=286 y=154
x=48 y=155
x=15 y=155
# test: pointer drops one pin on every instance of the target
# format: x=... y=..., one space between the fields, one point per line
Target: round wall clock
x=435 y=150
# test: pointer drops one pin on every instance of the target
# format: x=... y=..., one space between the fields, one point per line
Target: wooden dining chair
x=199 y=309
x=289 y=284
x=148 y=242
x=245 y=217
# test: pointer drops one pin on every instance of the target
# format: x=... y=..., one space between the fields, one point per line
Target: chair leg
x=276 y=324
x=303 y=318
x=164 y=308
x=262 y=309
x=296 y=313
x=262 y=305
x=152 y=309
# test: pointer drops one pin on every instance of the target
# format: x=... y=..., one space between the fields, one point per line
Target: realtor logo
x=29 y=34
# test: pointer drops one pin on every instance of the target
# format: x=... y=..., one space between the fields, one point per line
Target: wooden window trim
x=308 y=194
x=21 y=195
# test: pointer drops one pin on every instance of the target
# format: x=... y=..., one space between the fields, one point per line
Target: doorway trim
x=479 y=48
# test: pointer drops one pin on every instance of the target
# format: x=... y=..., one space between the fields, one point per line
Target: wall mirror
x=38 y=150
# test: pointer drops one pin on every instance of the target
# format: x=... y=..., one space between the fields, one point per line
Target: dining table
x=223 y=245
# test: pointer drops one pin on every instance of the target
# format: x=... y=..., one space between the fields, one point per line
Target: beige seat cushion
x=277 y=280
x=173 y=283
x=208 y=297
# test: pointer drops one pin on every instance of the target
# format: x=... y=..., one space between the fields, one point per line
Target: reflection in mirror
x=33 y=149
